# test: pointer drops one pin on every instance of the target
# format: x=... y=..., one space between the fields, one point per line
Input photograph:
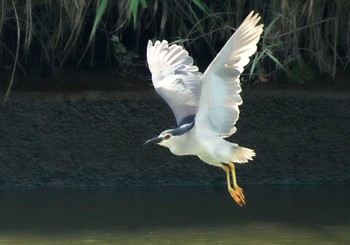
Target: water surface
x=300 y=214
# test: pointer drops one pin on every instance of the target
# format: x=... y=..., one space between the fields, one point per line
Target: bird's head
x=171 y=137
x=164 y=139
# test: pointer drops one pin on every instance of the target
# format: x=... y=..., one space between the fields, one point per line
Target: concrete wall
x=96 y=139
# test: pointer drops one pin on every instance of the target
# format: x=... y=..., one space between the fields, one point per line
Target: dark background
x=96 y=139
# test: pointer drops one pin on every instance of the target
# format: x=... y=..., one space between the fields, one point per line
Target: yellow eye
x=168 y=136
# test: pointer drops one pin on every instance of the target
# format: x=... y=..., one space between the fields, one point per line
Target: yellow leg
x=236 y=192
x=227 y=170
x=238 y=189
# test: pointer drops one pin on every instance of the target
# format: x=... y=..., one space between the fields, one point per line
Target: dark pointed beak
x=153 y=140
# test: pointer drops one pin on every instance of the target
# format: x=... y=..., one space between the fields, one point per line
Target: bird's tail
x=242 y=154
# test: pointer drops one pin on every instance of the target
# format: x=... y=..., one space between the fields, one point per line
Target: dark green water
x=201 y=215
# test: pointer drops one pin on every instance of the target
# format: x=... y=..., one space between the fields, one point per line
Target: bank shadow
x=138 y=208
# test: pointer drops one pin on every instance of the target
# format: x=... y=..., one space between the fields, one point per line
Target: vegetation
x=40 y=35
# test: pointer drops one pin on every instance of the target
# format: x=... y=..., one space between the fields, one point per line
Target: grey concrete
x=96 y=139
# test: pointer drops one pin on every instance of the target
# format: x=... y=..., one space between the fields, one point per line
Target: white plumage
x=205 y=106
x=174 y=77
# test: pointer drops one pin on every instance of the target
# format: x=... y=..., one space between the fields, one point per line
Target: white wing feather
x=175 y=78
x=220 y=86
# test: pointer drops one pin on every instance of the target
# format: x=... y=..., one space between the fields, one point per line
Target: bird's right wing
x=220 y=86
x=175 y=78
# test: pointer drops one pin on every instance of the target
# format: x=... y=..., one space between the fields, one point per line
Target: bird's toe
x=238 y=196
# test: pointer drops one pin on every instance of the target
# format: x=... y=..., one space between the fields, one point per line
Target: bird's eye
x=167 y=136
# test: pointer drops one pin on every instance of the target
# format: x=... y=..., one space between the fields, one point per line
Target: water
x=176 y=215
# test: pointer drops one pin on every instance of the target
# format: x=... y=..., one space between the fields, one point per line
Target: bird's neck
x=183 y=145
x=181 y=140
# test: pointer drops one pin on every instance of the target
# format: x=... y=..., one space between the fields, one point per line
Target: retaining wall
x=96 y=139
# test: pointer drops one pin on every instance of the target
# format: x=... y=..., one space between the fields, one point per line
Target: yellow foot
x=237 y=195
x=236 y=192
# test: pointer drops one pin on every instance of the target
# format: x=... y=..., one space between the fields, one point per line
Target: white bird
x=205 y=106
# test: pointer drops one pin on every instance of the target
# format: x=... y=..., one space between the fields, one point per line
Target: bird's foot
x=238 y=196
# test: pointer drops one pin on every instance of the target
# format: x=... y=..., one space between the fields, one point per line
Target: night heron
x=205 y=106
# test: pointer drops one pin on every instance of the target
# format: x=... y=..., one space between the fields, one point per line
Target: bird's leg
x=238 y=190
x=236 y=195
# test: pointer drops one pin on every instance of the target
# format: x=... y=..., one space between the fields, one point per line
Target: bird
x=206 y=106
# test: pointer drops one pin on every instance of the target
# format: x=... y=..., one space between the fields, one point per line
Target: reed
x=298 y=33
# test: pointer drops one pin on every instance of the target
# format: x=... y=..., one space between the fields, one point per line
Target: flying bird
x=205 y=105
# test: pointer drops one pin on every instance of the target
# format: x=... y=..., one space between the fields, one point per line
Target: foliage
x=54 y=32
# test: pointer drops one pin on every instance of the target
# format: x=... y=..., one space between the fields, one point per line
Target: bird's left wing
x=220 y=86
x=175 y=78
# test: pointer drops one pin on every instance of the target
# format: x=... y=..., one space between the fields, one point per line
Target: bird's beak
x=154 y=140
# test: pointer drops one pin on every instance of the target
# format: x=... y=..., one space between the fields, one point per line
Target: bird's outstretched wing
x=220 y=86
x=175 y=78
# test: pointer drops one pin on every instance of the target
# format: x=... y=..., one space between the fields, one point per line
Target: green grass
x=56 y=32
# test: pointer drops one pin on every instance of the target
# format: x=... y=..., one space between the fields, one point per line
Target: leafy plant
x=297 y=32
